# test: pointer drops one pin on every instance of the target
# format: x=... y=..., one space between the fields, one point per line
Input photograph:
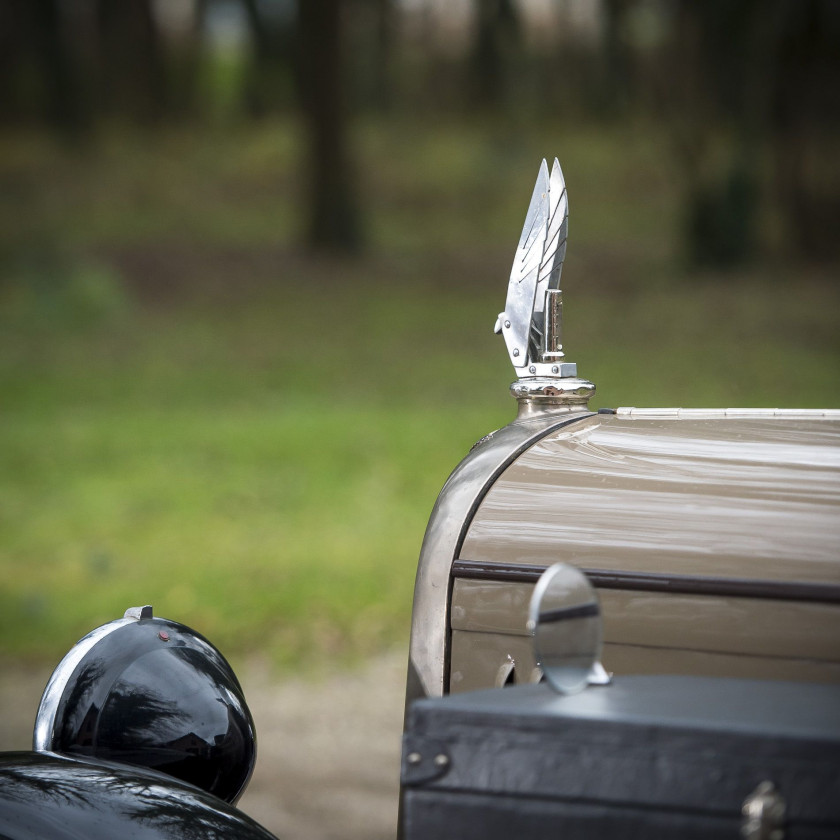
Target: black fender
x=45 y=796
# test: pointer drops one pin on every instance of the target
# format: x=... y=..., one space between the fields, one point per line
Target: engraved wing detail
x=554 y=252
x=536 y=267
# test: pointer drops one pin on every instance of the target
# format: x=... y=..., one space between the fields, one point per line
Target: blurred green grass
x=198 y=416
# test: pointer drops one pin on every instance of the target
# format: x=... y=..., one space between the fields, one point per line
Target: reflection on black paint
x=45 y=795
x=76 y=716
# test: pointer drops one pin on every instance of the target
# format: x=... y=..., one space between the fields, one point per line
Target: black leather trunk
x=644 y=757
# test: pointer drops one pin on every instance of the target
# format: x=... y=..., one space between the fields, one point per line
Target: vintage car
x=712 y=538
x=711 y=535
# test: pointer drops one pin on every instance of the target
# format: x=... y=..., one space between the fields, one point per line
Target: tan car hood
x=732 y=498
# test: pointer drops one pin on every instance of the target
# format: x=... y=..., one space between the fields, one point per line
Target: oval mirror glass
x=565 y=621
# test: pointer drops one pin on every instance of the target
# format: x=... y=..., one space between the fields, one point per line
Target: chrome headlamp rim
x=58 y=681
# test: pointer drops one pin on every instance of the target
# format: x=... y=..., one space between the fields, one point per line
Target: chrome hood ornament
x=532 y=321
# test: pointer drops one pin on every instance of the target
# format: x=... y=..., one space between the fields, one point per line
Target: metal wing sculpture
x=532 y=320
x=536 y=270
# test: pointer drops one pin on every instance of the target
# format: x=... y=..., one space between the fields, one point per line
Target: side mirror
x=565 y=620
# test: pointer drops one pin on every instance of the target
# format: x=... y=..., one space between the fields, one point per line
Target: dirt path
x=328 y=752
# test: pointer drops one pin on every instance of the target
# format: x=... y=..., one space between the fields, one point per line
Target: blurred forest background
x=251 y=254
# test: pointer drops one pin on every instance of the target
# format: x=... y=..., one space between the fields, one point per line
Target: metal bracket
x=423 y=760
x=139 y=612
x=763 y=814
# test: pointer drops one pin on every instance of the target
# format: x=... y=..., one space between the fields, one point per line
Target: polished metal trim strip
x=729 y=413
x=513 y=572
x=774 y=590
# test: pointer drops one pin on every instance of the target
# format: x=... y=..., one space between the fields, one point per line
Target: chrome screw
x=555 y=369
x=414 y=758
x=441 y=760
x=515 y=351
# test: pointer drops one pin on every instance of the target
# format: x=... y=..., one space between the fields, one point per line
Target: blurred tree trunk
x=334 y=223
x=496 y=36
x=271 y=77
x=261 y=40
x=806 y=122
x=35 y=47
x=618 y=65
x=383 y=61
x=717 y=115
x=185 y=60
x=132 y=77
x=62 y=101
x=10 y=54
x=744 y=79
x=369 y=34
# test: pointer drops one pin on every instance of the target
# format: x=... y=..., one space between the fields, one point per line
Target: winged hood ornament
x=531 y=323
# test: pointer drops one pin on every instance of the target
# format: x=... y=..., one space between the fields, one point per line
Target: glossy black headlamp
x=152 y=693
